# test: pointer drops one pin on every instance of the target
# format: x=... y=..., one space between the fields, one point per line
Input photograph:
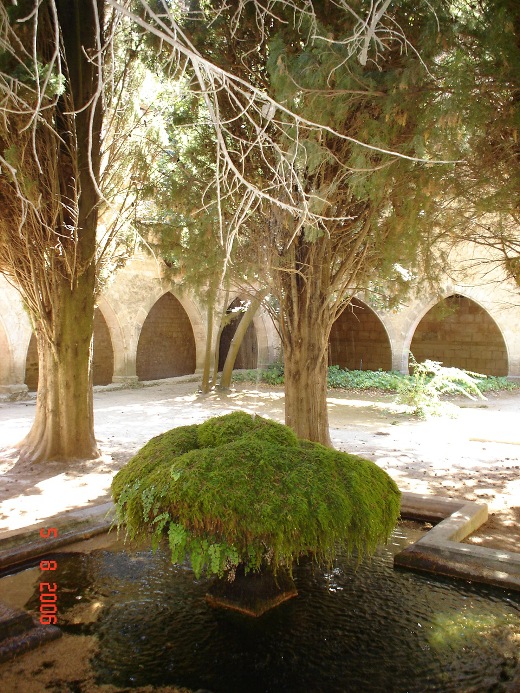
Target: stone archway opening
x=31 y=365
x=102 y=358
x=166 y=346
x=358 y=340
x=461 y=334
x=247 y=356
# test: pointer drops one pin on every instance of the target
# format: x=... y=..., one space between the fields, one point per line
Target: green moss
x=248 y=491
x=225 y=429
x=156 y=451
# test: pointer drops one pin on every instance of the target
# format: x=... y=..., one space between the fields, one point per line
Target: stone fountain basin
x=439 y=551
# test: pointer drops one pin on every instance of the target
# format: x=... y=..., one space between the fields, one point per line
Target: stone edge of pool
x=440 y=551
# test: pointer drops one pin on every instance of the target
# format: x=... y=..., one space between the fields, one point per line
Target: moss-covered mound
x=242 y=489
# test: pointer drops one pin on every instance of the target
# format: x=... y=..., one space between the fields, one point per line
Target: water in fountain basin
x=365 y=628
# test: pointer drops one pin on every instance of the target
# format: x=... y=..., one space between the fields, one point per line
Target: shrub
x=381 y=381
x=249 y=491
x=386 y=381
x=430 y=380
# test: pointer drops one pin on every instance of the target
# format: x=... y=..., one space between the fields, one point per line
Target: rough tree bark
x=302 y=286
x=63 y=426
x=64 y=422
x=305 y=376
x=50 y=200
x=313 y=279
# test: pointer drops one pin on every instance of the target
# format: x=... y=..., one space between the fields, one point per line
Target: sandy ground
x=473 y=455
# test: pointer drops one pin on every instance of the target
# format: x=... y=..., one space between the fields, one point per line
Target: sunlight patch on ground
x=406 y=483
x=11 y=432
x=512 y=489
x=363 y=403
x=50 y=497
x=242 y=395
x=491 y=427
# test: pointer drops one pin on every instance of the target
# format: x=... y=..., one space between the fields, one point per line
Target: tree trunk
x=63 y=316
x=305 y=375
x=63 y=427
x=216 y=353
x=206 y=371
x=238 y=338
x=302 y=285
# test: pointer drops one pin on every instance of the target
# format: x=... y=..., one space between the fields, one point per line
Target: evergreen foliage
x=441 y=85
x=479 y=76
x=239 y=489
x=353 y=212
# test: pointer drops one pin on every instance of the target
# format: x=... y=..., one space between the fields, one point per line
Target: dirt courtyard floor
x=474 y=454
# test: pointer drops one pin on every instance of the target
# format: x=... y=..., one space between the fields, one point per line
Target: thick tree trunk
x=302 y=285
x=216 y=353
x=66 y=281
x=305 y=375
x=63 y=427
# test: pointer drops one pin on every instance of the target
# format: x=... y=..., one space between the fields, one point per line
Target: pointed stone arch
x=459 y=332
x=166 y=345
x=31 y=365
x=359 y=341
x=247 y=356
x=103 y=353
x=117 y=339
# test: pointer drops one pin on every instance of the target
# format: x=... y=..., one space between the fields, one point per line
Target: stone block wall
x=358 y=340
x=150 y=327
x=458 y=332
x=166 y=344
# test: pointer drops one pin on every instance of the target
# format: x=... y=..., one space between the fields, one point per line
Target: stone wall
x=458 y=332
x=166 y=344
x=148 y=327
x=103 y=356
x=358 y=340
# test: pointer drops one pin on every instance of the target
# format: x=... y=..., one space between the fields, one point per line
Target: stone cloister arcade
x=146 y=329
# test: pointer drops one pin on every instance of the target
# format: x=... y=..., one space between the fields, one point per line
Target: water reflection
x=354 y=628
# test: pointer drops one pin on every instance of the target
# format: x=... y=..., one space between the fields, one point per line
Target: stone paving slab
x=440 y=550
x=20 y=633
x=13 y=622
x=30 y=640
x=23 y=545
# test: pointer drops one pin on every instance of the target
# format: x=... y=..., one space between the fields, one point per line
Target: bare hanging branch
x=273 y=133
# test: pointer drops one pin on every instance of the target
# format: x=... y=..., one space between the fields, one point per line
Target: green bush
x=493 y=383
x=250 y=492
x=271 y=375
x=342 y=378
x=381 y=381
